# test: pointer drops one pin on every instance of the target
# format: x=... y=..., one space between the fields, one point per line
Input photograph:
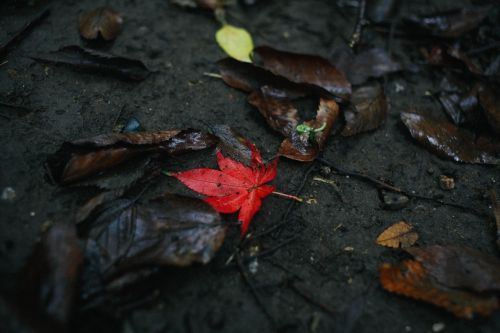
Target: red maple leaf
x=235 y=186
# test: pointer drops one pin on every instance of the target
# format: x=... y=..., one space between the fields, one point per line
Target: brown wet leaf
x=371 y=63
x=398 y=235
x=411 y=279
x=248 y=77
x=103 y=21
x=232 y=144
x=283 y=117
x=370 y=110
x=82 y=158
x=170 y=230
x=448 y=141
x=450 y=24
x=88 y=60
x=305 y=68
x=460 y=267
x=48 y=285
x=450 y=56
x=490 y=101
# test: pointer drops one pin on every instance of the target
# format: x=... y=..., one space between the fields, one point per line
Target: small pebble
x=438 y=327
x=348 y=249
x=32 y=214
x=407 y=328
x=430 y=171
x=325 y=171
x=446 y=183
x=253 y=266
x=8 y=194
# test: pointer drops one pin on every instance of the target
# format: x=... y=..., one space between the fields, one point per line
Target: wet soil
x=334 y=256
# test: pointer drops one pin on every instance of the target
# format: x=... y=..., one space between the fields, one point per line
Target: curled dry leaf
x=398 y=235
x=92 y=61
x=370 y=110
x=305 y=68
x=170 y=230
x=460 y=267
x=48 y=285
x=82 y=158
x=371 y=63
x=411 y=279
x=448 y=141
x=450 y=24
x=103 y=21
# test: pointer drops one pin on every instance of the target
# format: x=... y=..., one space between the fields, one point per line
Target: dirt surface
x=335 y=257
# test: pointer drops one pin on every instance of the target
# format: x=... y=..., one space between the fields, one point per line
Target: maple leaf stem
x=288 y=196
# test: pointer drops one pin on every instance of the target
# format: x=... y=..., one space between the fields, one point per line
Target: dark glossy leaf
x=305 y=68
x=48 y=285
x=248 y=77
x=371 y=63
x=450 y=24
x=490 y=101
x=103 y=21
x=370 y=110
x=460 y=267
x=93 y=61
x=82 y=158
x=451 y=56
x=448 y=141
x=411 y=279
x=170 y=230
x=232 y=144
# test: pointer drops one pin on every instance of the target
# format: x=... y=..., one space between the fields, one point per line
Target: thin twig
x=334 y=185
x=253 y=290
x=358 y=29
x=288 y=196
x=21 y=34
x=385 y=186
x=214 y=75
x=305 y=295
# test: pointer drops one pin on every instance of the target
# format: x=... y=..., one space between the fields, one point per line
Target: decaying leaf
x=371 y=63
x=398 y=235
x=169 y=230
x=370 y=110
x=411 y=279
x=232 y=144
x=82 y=158
x=448 y=141
x=283 y=117
x=99 y=62
x=460 y=267
x=450 y=24
x=48 y=285
x=304 y=68
x=103 y=21
x=235 y=186
x=490 y=102
x=248 y=77
x=236 y=42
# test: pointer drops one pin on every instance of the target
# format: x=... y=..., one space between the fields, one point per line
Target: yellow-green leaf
x=236 y=42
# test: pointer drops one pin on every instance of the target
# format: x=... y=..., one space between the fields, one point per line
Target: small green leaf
x=236 y=42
